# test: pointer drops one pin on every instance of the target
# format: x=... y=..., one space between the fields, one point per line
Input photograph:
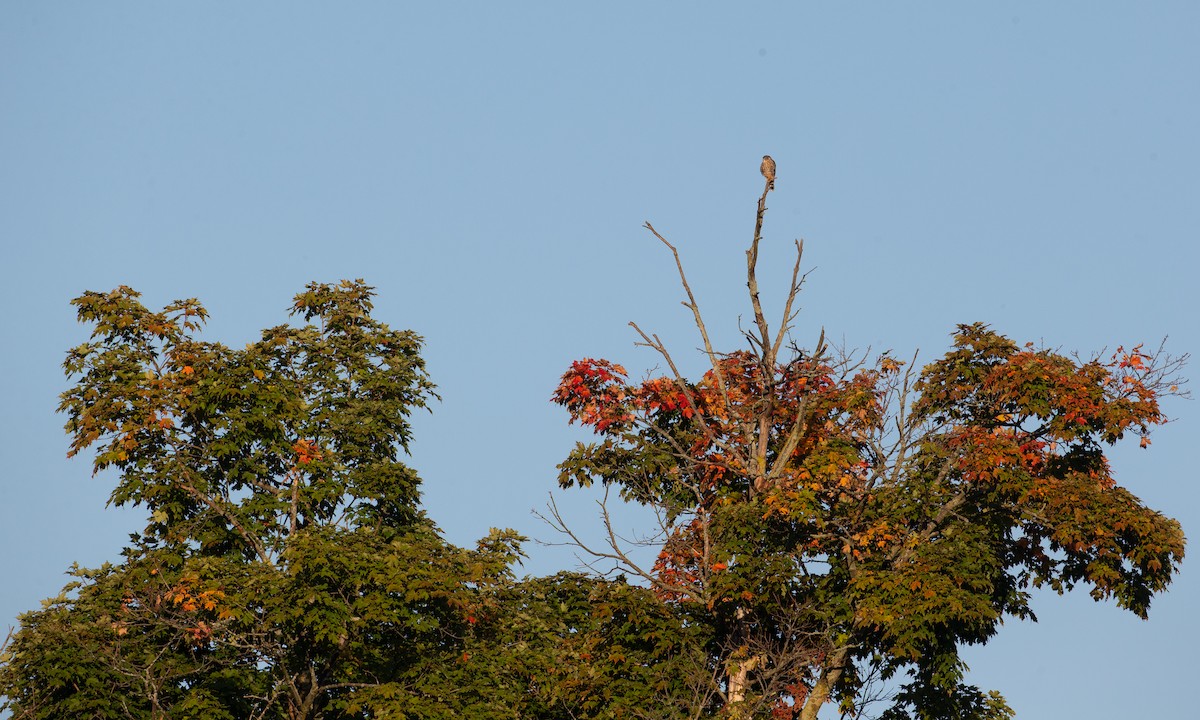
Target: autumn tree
x=286 y=569
x=836 y=521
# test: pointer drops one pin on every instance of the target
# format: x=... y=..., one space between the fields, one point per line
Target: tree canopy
x=286 y=569
x=836 y=519
x=834 y=527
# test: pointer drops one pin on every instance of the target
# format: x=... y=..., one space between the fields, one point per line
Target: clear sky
x=488 y=166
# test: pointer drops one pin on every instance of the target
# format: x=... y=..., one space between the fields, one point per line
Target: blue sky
x=488 y=167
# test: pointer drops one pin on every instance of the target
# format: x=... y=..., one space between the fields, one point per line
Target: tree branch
x=692 y=305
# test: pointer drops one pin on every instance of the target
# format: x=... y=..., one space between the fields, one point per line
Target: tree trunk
x=824 y=685
x=739 y=680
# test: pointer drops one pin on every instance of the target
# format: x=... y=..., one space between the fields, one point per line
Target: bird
x=768 y=170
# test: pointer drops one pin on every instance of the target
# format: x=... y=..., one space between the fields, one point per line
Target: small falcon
x=768 y=170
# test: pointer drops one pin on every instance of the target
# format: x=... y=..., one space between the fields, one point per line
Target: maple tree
x=286 y=569
x=841 y=524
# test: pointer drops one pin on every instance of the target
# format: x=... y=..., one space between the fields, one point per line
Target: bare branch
x=692 y=305
x=752 y=282
x=794 y=290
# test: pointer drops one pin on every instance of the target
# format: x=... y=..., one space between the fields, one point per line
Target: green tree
x=286 y=569
x=576 y=646
x=835 y=521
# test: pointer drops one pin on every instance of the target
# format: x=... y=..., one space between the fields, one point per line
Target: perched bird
x=768 y=170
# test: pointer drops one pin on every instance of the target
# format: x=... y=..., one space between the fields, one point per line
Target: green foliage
x=237 y=449
x=572 y=646
x=286 y=569
x=829 y=524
